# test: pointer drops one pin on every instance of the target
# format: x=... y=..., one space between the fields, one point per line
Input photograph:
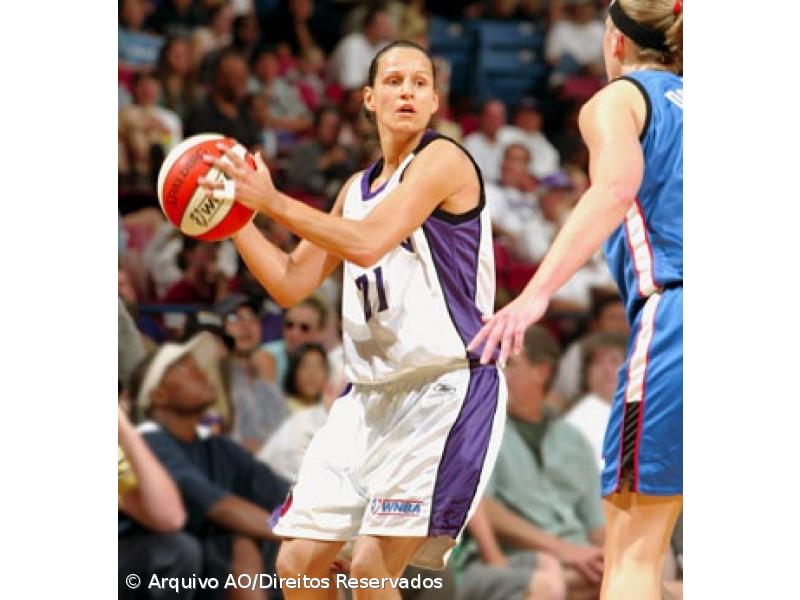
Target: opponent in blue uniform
x=634 y=131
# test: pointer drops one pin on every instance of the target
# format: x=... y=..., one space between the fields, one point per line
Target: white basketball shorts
x=408 y=458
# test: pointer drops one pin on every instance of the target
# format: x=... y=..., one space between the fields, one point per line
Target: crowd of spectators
x=226 y=389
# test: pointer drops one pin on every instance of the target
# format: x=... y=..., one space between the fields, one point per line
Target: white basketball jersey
x=421 y=304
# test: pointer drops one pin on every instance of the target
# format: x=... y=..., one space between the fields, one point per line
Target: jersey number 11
x=362 y=283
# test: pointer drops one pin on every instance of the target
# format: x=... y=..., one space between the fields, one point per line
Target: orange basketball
x=188 y=206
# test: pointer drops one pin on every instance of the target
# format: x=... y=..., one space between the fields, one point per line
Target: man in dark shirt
x=223 y=111
x=228 y=495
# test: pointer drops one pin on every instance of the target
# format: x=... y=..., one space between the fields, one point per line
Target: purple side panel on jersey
x=465 y=453
x=454 y=249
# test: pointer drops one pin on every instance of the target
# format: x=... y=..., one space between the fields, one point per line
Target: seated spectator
x=305 y=382
x=223 y=110
x=356 y=128
x=607 y=316
x=321 y=165
x=485 y=145
x=544 y=492
x=228 y=495
x=308 y=78
x=145 y=325
x=302 y=324
x=147 y=132
x=527 y=130
x=307 y=377
x=179 y=88
x=130 y=346
x=246 y=35
x=267 y=144
x=151 y=517
x=219 y=417
x=441 y=120
x=556 y=199
x=138 y=50
x=512 y=201
x=603 y=355
x=287 y=111
x=259 y=407
x=202 y=281
x=297 y=24
x=208 y=40
x=176 y=17
x=574 y=44
x=350 y=60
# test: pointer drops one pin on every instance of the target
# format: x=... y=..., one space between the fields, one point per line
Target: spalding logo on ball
x=187 y=205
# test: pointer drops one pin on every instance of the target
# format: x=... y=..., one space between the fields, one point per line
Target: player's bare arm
x=610 y=124
x=422 y=190
x=288 y=277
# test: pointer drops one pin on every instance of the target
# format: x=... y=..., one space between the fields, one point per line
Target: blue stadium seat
x=455 y=42
x=508 y=60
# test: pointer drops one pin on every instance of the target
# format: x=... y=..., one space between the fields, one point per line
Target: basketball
x=187 y=205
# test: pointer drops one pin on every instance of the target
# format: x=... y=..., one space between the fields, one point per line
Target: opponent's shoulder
x=620 y=100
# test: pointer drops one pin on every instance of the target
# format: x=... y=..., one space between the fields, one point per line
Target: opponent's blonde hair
x=660 y=15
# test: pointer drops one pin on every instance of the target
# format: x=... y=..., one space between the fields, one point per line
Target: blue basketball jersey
x=645 y=253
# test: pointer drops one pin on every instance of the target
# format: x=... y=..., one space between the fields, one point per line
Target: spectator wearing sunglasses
x=303 y=323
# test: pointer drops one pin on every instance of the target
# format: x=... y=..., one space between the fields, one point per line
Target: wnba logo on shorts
x=400 y=508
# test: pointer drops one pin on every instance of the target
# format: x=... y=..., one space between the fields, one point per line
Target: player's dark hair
x=290 y=379
x=373 y=66
x=539 y=346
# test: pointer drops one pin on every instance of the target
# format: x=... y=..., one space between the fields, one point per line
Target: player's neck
x=396 y=147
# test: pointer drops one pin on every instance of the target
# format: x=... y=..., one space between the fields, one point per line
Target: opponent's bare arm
x=288 y=277
x=442 y=179
x=610 y=124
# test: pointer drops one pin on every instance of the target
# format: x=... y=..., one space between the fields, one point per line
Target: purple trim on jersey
x=454 y=250
x=465 y=453
x=365 y=182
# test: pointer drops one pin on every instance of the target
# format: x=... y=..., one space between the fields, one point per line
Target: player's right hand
x=507 y=327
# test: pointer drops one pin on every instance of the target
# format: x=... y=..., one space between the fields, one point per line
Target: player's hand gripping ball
x=190 y=207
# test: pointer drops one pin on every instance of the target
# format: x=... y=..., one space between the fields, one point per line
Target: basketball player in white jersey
x=403 y=459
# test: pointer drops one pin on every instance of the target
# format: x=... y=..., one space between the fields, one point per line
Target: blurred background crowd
x=227 y=388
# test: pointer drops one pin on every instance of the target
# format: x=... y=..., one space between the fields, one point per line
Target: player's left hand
x=507 y=327
x=253 y=188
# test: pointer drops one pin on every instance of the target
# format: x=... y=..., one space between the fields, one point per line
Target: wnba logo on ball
x=204 y=211
x=401 y=508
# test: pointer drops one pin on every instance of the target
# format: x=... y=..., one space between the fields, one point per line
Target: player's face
x=403 y=98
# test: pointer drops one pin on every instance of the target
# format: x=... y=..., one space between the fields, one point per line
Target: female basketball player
x=634 y=131
x=405 y=454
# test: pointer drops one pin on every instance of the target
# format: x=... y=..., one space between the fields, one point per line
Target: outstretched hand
x=253 y=188
x=507 y=327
